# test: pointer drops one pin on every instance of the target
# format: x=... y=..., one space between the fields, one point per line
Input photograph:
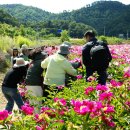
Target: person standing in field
x=25 y=52
x=57 y=66
x=96 y=57
x=14 y=56
x=10 y=83
x=34 y=78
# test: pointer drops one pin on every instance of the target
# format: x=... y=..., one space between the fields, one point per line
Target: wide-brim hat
x=64 y=49
x=20 y=62
x=67 y=43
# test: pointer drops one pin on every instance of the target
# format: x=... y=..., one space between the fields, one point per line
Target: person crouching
x=9 y=86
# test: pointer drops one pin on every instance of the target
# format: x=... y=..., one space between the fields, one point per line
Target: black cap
x=90 y=33
x=15 y=49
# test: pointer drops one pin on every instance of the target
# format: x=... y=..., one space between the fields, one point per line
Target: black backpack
x=99 y=56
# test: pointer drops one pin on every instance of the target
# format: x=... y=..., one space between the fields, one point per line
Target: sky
x=55 y=6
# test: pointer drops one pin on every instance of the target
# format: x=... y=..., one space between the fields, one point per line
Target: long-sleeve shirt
x=57 y=66
x=14 y=76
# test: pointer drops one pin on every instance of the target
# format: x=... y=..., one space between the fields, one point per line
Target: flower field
x=82 y=106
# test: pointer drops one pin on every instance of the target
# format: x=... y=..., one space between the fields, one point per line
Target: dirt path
x=2 y=99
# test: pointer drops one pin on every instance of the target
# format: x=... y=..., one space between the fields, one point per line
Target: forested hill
x=26 y=13
x=7 y=18
x=110 y=16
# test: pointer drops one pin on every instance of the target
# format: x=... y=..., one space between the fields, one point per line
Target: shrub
x=64 y=36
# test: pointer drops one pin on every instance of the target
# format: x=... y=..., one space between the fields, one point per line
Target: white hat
x=20 y=62
x=64 y=49
x=24 y=46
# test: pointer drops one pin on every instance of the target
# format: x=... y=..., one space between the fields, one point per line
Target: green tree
x=64 y=36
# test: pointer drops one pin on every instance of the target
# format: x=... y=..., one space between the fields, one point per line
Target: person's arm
x=86 y=55
x=108 y=52
x=44 y=63
x=69 y=69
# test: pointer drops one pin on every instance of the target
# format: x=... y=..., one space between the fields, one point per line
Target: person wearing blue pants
x=9 y=85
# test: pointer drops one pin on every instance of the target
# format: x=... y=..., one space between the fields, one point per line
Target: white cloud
x=55 y=5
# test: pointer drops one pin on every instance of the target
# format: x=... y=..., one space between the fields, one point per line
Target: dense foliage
x=82 y=106
x=7 y=18
x=101 y=15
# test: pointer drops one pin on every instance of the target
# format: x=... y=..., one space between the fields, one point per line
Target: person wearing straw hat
x=25 y=52
x=57 y=66
x=9 y=86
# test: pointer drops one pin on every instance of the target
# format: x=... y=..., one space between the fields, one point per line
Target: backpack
x=99 y=56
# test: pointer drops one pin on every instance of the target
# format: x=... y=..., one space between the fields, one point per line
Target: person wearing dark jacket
x=87 y=61
x=34 y=79
x=9 y=86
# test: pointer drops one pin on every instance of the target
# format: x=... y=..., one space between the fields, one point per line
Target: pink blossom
x=79 y=76
x=3 y=115
x=39 y=128
x=60 y=87
x=49 y=111
x=108 y=121
x=76 y=60
x=61 y=101
x=109 y=109
x=89 y=90
x=99 y=105
x=36 y=118
x=61 y=121
x=127 y=73
x=28 y=110
x=101 y=87
x=92 y=106
x=91 y=78
x=111 y=124
x=105 y=96
x=22 y=91
x=114 y=83
x=85 y=106
x=128 y=103
x=82 y=110
x=76 y=103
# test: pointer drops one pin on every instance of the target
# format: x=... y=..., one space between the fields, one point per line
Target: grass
x=7 y=42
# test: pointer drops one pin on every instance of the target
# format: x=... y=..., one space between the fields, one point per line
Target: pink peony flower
x=79 y=76
x=85 y=106
x=101 y=87
x=49 y=111
x=105 y=96
x=109 y=109
x=61 y=121
x=92 y=106
x=91 y=78
x=60 y=87
x=28 y=110
x=89 y=90
x=22 y=91
x=82 y=110
x=127 y=73
x=108 y=121
x=128 y=103
x=61 y=101
x=39 y=128
x=99 y=105
x=111 y=124
x=114 y=83
x=36 y=118
x=3 y=115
